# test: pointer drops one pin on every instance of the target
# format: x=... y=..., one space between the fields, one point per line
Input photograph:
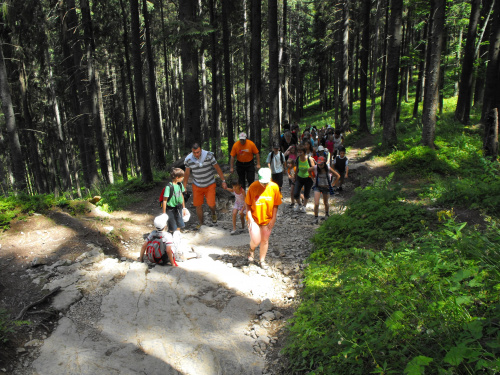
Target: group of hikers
x=314 y=160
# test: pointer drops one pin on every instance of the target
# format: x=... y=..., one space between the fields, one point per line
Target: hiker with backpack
x=323 y=185
x=201 y=164
x=276 y=162
x=158 y=244
x=174 y=206
x=304 y=178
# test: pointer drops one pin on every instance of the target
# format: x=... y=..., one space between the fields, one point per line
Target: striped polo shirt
x=203 y=173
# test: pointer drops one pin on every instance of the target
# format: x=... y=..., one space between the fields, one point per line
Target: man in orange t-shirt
x=244 y=150
x=262 y=200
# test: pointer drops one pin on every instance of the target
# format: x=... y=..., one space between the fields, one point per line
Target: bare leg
x=170 y=256
x=235 y=211
x=264 y=242
x=242 y=217
x=317 y=195
x=326 y=203
x=199 y=213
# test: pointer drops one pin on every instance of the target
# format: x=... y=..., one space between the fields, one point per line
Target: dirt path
x=113 y=314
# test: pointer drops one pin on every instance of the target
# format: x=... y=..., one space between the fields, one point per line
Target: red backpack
x=156 y=248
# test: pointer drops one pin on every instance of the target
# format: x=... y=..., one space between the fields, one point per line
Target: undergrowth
x=414 y=298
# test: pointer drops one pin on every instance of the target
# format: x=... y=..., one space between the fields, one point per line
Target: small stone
x=292 y=293
x=278 y=315
x=34 y=342
x=268 y=315
x=123 y=259
x=20 y=350
x=266 y=305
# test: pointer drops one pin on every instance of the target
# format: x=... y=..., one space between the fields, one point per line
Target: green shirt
x=302 y=168
x=177 y=197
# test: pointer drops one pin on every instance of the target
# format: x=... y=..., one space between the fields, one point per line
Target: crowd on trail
x=314 y=161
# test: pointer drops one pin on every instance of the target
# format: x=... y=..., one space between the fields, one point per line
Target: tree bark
x=431 y=96
x=345 y=67
x=227 y=73
x=375 y=64
x=491 y=94
x=421 y=70
x=389 y=137
x=462 y=111
x=490 y=144
x=365 y=49
x=189 y=57
x=274 y=83
x=143 y=152
x=16 y=154
x=256 y=67
x=155 y=125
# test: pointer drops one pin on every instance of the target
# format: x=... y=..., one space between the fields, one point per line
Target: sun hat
x=264 y=175
x=160 y=222
x=243 y=135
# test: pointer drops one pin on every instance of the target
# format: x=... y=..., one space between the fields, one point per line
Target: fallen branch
x=23 y=311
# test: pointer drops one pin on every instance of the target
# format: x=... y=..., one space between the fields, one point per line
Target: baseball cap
x=276 y=145
x=264 y=175
x=321 y=160
x=321 y=148
x=161 y=221
x=243 y=135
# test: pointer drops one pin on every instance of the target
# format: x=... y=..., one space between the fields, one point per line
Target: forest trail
x=211 y=315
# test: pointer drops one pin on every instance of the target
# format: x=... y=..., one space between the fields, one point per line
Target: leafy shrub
x=427 y=304
x=373 y=214
x=15 y=206
x=8 y=326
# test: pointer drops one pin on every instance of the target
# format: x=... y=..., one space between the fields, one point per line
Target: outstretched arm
x=187 y=172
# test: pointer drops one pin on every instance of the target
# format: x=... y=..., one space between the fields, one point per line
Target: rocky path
x=211 y=315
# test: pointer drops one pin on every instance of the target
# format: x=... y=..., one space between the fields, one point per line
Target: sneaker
x=303 y=209
x=296 y=208
x=316 y=220
x=233 y=232
x=263 y=265
x=292 y=205
x=199 y=226
x=214 y=218
x=339 y=188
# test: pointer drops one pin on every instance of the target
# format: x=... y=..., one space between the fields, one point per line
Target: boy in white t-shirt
x=165 y=253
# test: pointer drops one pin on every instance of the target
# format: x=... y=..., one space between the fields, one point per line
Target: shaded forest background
x=96 y=91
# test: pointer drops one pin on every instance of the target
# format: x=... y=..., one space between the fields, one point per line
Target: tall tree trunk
x=274 y=82
x=462 y=111
x=246 y=68
x=256 y=66
x=491 y=94
x=157 y=140
x=143 y=152
x=81 y=103
x=189 y=57
x=135 y=137
x=365 y=50
x=383 y=74
x=227 y=73
x=215 y=128
x=431 y=96
x=123 y=142
x=389 y=137
x=16 y=155
x=96 y=119
x=285 y=112
x=375 y=64
x=421 y=70
x=345 y=66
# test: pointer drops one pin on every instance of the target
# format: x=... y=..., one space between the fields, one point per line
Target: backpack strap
x=282 y=158
x=170 y=191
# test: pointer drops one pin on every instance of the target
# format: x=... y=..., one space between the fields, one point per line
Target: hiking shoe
x=263 y=265
x=303 y=209
x=214 y=218
x=316 y=220
x=339 y=188
x=198 y=226
x=233 y=232
x=292 y=205
x=296 y=208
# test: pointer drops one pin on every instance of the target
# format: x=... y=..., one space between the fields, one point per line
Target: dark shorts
x=341 y=173
x=322 y=189
x=278 y=178
x=174 y=219
x=307 y=183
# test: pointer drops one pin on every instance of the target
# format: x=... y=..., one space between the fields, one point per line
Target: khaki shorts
x=205 y=192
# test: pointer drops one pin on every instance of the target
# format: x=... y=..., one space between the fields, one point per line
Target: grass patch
x=414 y=298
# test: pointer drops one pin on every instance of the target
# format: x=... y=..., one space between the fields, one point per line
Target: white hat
x=186 y=215
x=264 y=175
x=161 y=221
x=321 y=148
x=243 y=135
